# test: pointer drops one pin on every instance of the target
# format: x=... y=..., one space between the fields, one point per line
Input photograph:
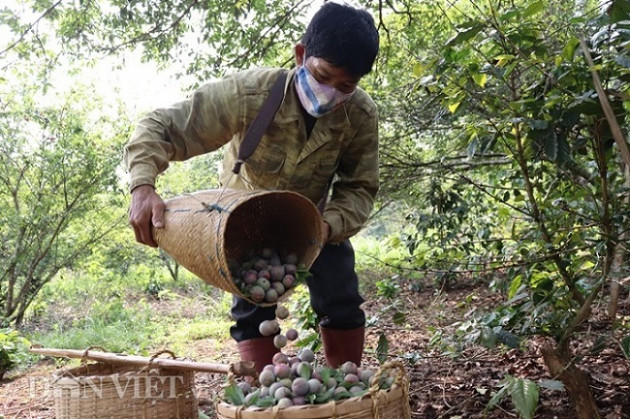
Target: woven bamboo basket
x=376 y=404
x=204 y=230
x=102 y=390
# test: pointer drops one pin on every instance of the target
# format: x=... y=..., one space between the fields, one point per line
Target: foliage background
x=491 y=122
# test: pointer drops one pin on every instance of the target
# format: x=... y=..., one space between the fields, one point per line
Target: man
x=326 y=126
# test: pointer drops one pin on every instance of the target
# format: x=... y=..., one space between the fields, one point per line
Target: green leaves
x=508 y=338
x=568 y=52
x=234 y=395
x=533 y=9
x=469 y=30
x=618 y=10
x=13 y=349
x=522 y=392
x=480 y=79
x=382 y=348
x=520 y=13
x=69 y=152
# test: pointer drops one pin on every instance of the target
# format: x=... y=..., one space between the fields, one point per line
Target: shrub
x=13 y=350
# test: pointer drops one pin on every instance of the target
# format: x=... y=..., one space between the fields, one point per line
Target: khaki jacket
x=343 y=143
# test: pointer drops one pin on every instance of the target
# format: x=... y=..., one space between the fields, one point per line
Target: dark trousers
x=334 y=292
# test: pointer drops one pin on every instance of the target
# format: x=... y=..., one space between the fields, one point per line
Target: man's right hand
x=147 y=209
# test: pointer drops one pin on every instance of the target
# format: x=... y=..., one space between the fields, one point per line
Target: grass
x=124 y=315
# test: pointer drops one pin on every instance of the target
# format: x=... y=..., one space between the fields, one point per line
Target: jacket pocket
x=263 y=168
x=315 y=171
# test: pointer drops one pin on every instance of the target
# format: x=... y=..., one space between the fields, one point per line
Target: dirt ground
x=441 y=386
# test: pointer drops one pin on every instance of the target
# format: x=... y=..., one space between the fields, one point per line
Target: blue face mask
x=317 y=98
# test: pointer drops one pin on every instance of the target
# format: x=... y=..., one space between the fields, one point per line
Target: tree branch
x=21 y=38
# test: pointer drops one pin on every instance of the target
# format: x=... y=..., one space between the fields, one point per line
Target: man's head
x=343 y=36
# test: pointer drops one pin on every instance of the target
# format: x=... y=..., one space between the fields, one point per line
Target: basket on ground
x=376 y=404
x=204 y=231
x=123 y=391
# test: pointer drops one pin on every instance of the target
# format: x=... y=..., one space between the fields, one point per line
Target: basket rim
x=386 y=396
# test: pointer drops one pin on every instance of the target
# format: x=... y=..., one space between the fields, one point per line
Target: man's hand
x=147 y=208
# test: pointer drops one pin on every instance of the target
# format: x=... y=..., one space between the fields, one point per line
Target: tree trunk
x=575 y=381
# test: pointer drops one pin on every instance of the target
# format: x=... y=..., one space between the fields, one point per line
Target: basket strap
x=147 y=367
x=261 y=122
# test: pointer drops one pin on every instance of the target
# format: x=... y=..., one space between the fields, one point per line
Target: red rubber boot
x=260 y=351
x=343 y=345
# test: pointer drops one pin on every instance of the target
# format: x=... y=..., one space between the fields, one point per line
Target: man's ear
x=300 y=50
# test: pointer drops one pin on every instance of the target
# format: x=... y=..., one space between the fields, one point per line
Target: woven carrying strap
x=261 y=122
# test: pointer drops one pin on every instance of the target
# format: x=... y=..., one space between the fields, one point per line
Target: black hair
x=344 y=36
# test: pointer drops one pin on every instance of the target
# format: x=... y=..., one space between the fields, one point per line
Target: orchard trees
x=518 y=166
x=58 y=181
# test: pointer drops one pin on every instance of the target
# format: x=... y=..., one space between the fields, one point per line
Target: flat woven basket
x=376 y=404
x=204 y=230
x=101 y=390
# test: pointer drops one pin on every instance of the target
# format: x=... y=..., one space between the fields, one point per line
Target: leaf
x=480 y=79
x=234 y=395
x=508 y=338
x=472 y=148
x=265 y=402
x=564 y=151
x=301 y=275
x=623 y=61
x=568 y=52
x=399 y=318
x=509 y=15
x=524 y=395
x=487 y=338
x=619 y=10
x=382 y=348
x=503 y=59
x=496 y=399
x=551 y=384
x=324 y=397
x=465 y=35
x=551 y=147
x=533 y=9
x=453 y=106
x=418 y=69
x=326 y=374
x=516 y=298
x=304 y=370
x=538 y=124
x=516 y=286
